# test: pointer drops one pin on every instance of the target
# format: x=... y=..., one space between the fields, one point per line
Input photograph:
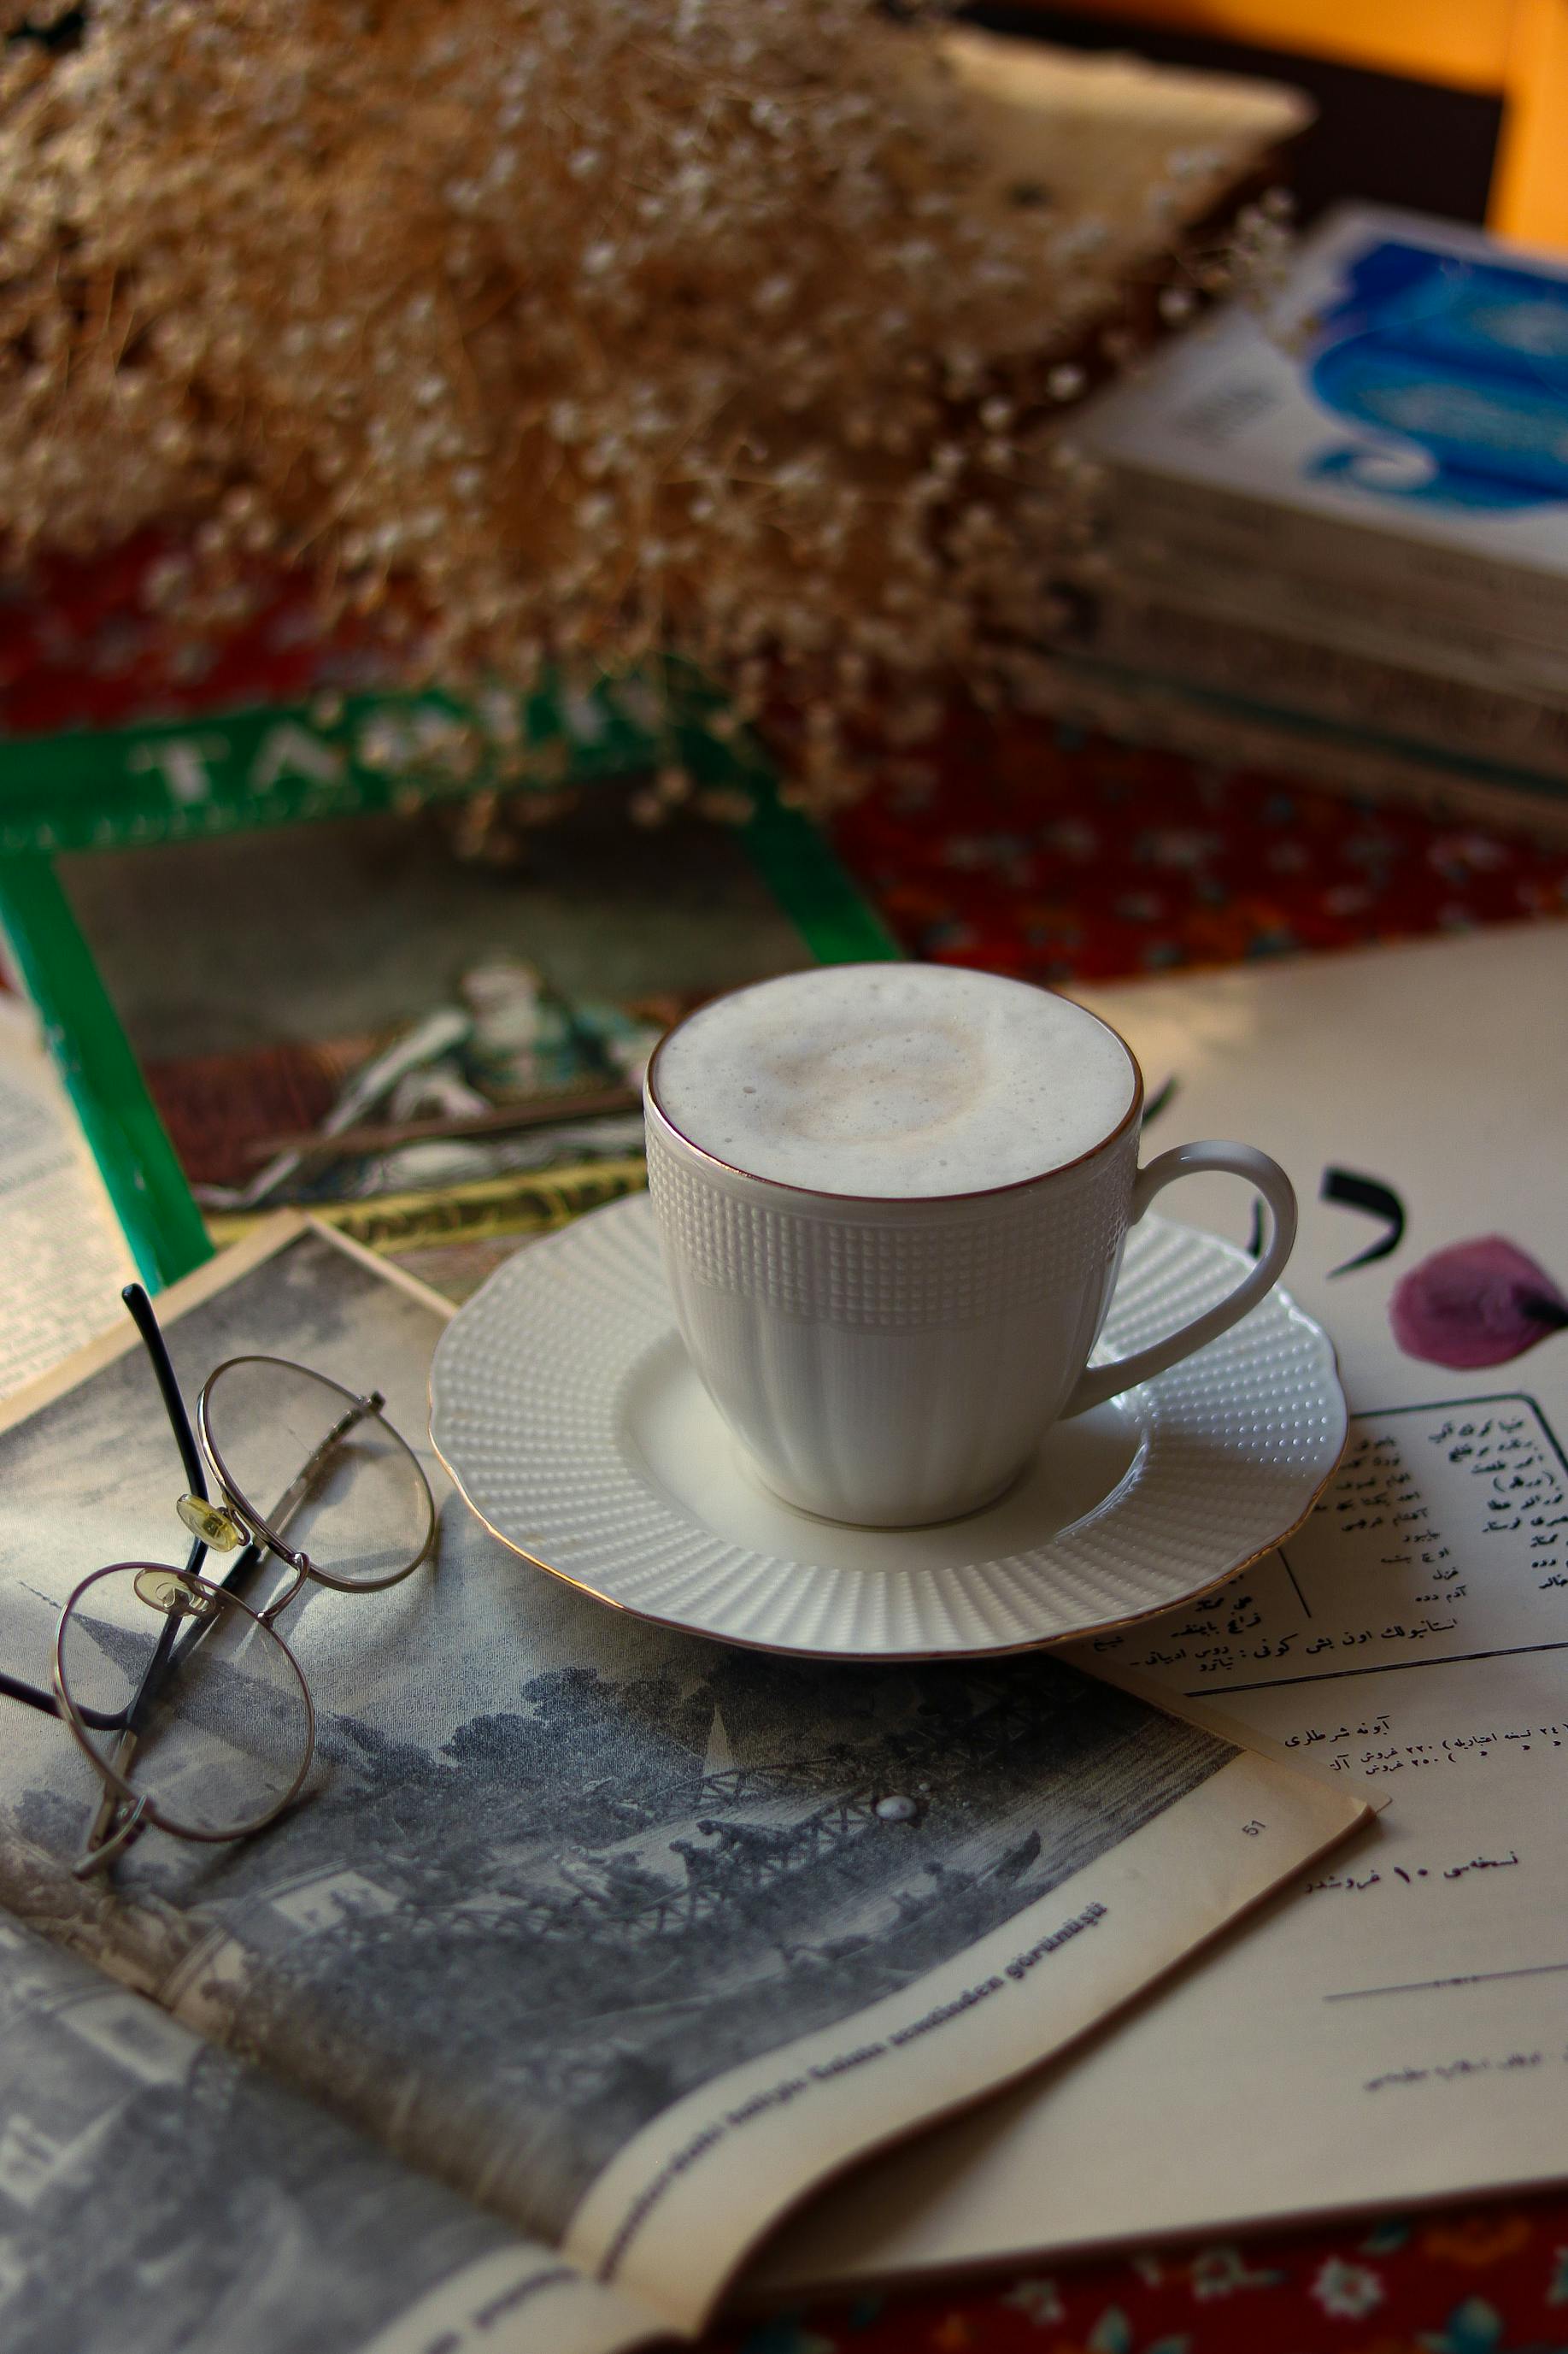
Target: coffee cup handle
x=1102 y=1381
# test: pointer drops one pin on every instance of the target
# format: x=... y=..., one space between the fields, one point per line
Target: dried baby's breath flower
x=553 y=332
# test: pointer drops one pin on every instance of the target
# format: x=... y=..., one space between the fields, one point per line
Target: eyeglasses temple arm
x=32 y=1696
x=14 y=1689
x=153 y=1340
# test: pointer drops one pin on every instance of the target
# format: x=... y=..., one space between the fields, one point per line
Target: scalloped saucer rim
x=571 y=1423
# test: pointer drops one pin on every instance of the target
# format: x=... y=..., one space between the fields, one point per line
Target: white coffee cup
x=894 y=1355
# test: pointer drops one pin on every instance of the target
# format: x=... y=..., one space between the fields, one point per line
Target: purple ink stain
x=1476 y=1303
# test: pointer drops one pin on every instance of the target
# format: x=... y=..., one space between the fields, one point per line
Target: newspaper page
x=609 y=1928
x=1393 y=2031
x=62 y=1255
x=155 y=2192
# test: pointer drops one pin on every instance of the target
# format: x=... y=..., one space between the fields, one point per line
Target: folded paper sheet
x=1393 y=2029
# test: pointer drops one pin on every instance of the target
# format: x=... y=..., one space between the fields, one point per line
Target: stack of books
x=1339 y=524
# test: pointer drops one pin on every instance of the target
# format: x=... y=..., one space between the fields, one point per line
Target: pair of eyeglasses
x=188 y=1702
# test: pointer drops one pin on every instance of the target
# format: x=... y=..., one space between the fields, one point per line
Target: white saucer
x=563 y=1405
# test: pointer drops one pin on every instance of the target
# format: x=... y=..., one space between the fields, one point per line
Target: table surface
x=1010 y=845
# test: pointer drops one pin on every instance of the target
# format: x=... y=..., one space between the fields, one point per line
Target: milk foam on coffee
x=894 y=1081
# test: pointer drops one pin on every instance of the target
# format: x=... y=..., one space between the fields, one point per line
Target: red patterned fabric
x=85 y=645
x=1489 y=2282
x=1016 y=847
x=1008 y=845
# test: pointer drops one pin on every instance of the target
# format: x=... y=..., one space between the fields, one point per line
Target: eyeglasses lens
x=223 y=1735
x=353 y=1497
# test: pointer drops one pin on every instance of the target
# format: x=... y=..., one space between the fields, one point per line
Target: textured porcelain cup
x=895 y=1357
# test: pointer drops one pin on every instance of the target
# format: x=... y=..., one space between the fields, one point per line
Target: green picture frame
x=287 y=765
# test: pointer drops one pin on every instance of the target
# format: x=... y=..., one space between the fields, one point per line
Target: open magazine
x=588 y=1948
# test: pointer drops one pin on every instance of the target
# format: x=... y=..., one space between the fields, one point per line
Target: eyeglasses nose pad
x=215 y=1524
x=99 y=1859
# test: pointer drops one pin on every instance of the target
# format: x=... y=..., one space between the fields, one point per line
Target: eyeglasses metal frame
x=125 y=1812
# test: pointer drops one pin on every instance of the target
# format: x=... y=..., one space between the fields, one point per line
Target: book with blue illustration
x=1341 y=518
x=1403 y=404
